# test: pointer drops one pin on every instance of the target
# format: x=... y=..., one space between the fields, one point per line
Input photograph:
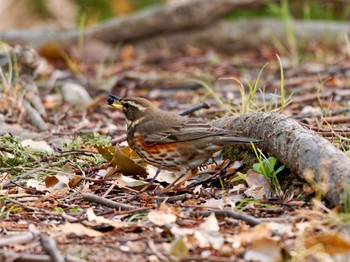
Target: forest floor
x=55 y=182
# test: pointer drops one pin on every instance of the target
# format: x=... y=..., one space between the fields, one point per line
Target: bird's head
x=134 y=108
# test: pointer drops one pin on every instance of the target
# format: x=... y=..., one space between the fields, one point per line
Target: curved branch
x=304 y=152
x=171 y=17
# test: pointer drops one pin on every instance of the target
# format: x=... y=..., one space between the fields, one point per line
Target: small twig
x=50 y=247
x=66 y=153
x=118 y=140
x=23 y=237
x=30 y=189
x=250 y=220
x=33 y=257
x=195 y=108
x=137 y=210
x=209 y=259
x=109 y=190
x=173 y=198
x=159 y=255
x=106 y=202
x=34 y=209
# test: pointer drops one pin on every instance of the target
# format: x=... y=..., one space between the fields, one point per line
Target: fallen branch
x=176 y=16
x=20 y=238
x=224 y=35
x=106 y=202
x=245 y=34
x=250 y=220
x=12 y=256
x=50 y=247
x=309 y=155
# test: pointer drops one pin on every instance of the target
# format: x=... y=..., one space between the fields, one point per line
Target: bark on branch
x=301 y=150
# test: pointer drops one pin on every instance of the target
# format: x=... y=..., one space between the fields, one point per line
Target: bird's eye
x=126 y=105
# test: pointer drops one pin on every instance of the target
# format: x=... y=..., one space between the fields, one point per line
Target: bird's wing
x=190 y=130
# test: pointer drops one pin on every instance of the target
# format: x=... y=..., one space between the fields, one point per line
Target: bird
x=169 y=141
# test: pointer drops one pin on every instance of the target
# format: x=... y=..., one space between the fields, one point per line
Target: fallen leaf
x=36 y=184
x=259 y=186
x=257 y=192
x=164 y=215
x=262 y=231
x=121 y=162
x=124 y=181
x=264 y=250
x=78 y=229
x=210 y=224
x=163 y=176
x=74 y=181
x=178 y=248
x=51 y=181
x=101 y=220
x=56 y=182
x=207 y=234
x=209 y=238
x=333 y=243
x=37 y=145
x=160 y=219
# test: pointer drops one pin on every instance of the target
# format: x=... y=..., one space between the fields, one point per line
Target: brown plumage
x=169 y=140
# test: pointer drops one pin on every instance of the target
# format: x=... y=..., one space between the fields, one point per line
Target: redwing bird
x=170 y=141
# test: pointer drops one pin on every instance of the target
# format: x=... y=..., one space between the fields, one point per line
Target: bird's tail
x=237 y=140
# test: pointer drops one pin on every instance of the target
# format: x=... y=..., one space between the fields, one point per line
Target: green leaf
x=75 y=210
x=58 y=209
x=279 y=169
x=257 y=168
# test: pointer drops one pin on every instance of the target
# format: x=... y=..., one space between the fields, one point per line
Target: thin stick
x=159 y=255
x=34 y=257
x=106 y=202
x=195 y=108
x=250 y=220
x=50 y=247
x=21 y=238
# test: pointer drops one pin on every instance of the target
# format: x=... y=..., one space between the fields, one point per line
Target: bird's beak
x=115 y=102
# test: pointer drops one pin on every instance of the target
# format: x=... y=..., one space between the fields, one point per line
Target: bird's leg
x=175 y=181
x=192 y=174
x=154 y=178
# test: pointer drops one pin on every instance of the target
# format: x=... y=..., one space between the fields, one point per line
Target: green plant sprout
x=283 y=11
x=12 y=153
x=346 y=200
x=6 y=211
x=136 y=217
x=240 y=176
x=210 y=90
x=283 y=93
x=9 y=78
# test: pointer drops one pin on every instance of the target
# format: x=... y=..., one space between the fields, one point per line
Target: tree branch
x=309 y=155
